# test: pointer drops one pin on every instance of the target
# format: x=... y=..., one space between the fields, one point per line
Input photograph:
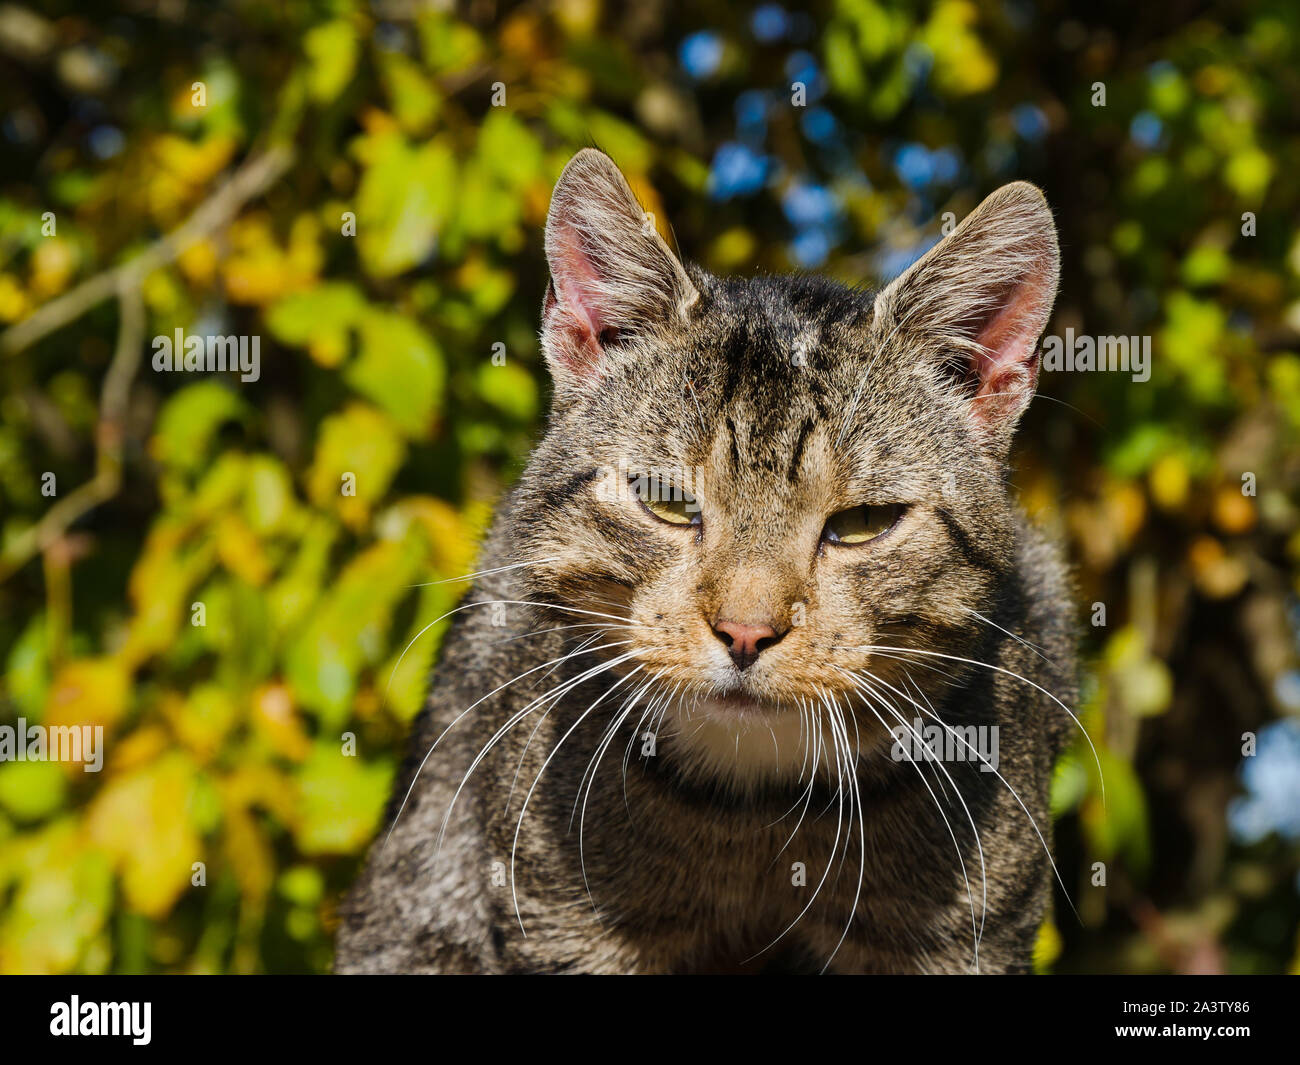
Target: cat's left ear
x=612 y=275
x=980 y=299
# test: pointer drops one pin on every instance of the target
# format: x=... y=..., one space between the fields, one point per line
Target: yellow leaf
x=1169 y=480
x=198 y=262
x=249 y=853
x=203 y=720
x=89 y=691
x=451 y=543
x=13 y=300
x=357 y=453
x=142 y=747
x=52 y=265
x=241 y=551
x=962 y=65
x=1047 y=946
x=1234 y=513
x=277 y=720
x=142 y=820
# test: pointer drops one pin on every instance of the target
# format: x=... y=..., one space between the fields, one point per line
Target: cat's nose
x=745 y=642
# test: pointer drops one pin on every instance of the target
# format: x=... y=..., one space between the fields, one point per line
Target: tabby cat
x=765 y=542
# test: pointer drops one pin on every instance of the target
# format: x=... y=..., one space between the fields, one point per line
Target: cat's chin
x=737 y=706
x=737 y=739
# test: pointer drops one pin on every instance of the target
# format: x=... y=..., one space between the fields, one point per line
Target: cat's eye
x=666 y=501
x=860 y=524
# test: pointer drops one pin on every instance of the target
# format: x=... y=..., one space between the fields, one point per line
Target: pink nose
x=745 y=642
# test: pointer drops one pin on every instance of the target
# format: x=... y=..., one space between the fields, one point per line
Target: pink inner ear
x=1007 y=368
x=579 y=314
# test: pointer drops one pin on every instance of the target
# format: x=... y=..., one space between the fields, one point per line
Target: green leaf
x=1121 y=826
x=485 y=208
x=401 y=369
x=405 y=674
x=1069 y=784
x=27 y=672
x=340 y=800
x=302 y=884
x=1248 y=173
x=31 y=790
x=59 y=896
x=349 y=628
x=359 y=441
x=843 y=66
x=1192 y=342
x=509 y=149
x=1142 y=682
x=415 y=101
x=621 y=140
x=320 y=318
x=405 y=198
x=448 y=45
x=331 y=50
x=509 y=388
x=189 y=421
x=293 y=595
x=269 y=499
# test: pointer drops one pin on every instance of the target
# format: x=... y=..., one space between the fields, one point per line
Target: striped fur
x=654 y=813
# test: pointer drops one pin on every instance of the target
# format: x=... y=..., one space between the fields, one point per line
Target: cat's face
x=761 y=485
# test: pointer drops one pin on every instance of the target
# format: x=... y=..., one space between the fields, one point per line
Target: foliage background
x=224 y=740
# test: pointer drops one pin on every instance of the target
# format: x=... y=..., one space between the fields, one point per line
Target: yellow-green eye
x=666 y=501
x=857 y=525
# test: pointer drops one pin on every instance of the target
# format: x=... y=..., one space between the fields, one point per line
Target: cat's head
x=762 y=479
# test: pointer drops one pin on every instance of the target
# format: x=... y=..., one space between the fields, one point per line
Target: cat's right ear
x=612 y=275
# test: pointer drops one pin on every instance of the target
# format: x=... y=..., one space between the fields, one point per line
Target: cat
x=765 y=543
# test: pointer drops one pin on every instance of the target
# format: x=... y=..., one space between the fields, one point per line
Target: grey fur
x=681 y=861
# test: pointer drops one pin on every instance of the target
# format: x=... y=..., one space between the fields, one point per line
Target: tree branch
x=256 y=175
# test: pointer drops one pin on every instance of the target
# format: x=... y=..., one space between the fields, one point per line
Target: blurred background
x=363 y=187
